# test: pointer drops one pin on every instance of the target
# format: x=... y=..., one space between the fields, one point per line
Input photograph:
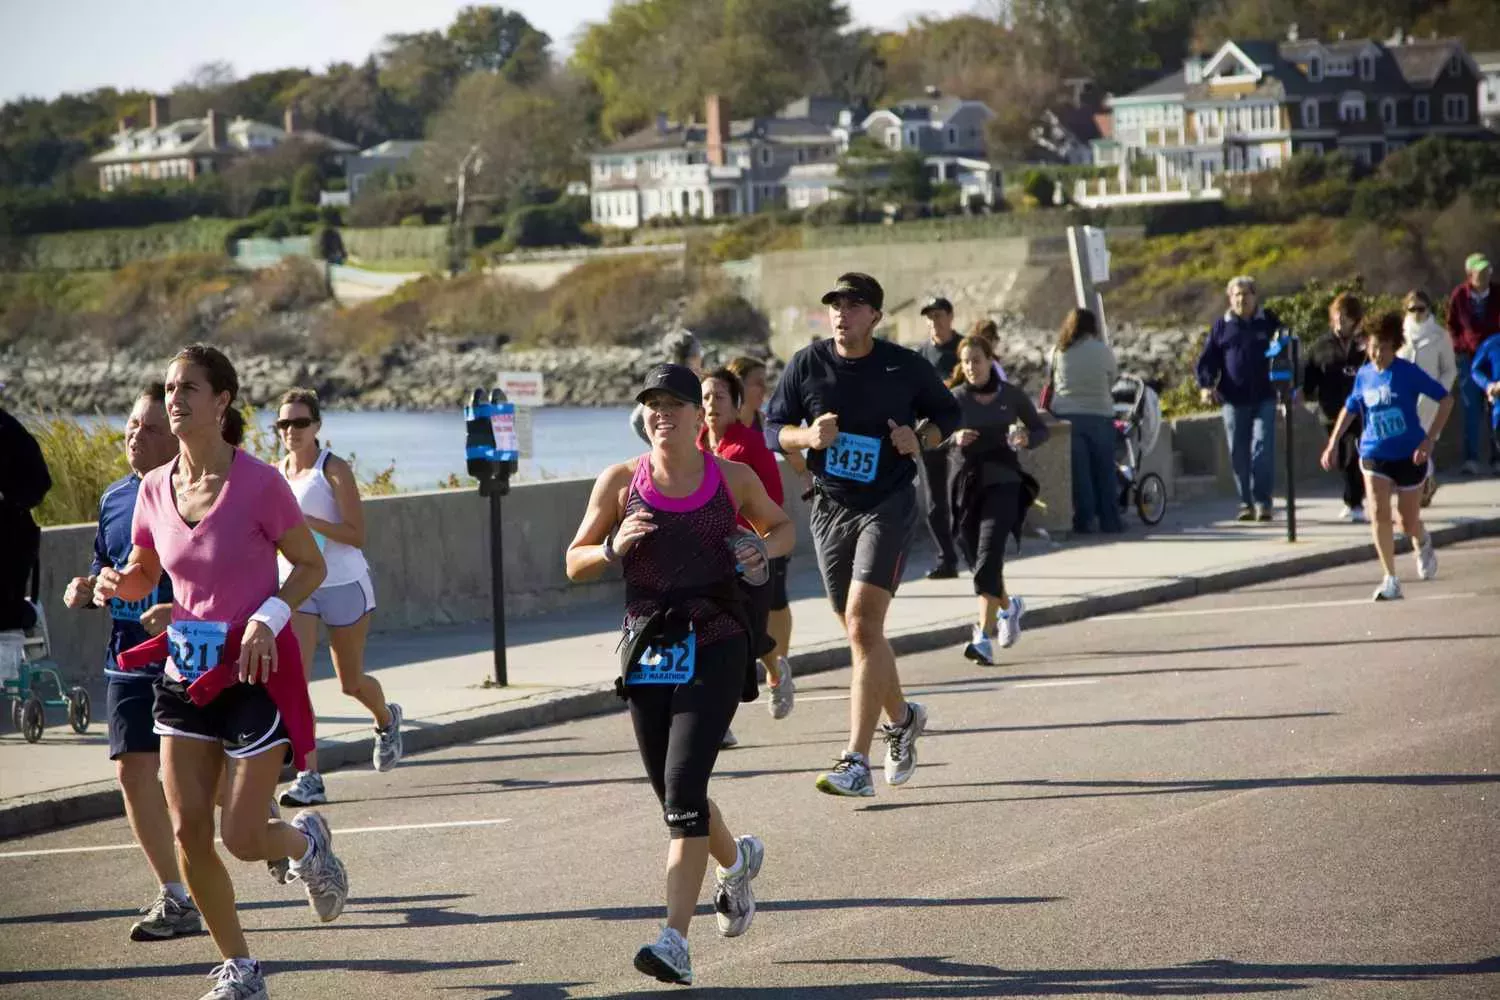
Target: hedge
x=403 y=242
x=107 y=249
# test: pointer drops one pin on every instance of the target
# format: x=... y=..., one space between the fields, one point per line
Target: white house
x=1489 y=88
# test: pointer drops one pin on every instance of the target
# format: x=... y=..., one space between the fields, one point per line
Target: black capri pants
x=678 y=729
x=999 y=506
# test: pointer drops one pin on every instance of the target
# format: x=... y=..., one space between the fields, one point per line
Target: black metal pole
x=1291 y=468
x=497 y=585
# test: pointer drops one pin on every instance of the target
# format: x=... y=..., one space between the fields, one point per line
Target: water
x=426 y=448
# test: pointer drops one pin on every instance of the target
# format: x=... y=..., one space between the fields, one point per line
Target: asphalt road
x=1281 y=790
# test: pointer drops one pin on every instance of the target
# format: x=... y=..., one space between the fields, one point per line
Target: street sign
x=1098 y=254
x=523 y=388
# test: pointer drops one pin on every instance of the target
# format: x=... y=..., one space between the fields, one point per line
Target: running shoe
x=1469 y=468
x=1353 y=515
x=943 y=571
x=979 y=649
x=849 y=776
x=1389 y=590
x=729 y=740
x=667 y=961
x=1010 y=622
x=783 y=695
x=901 y=745
x=1247 y=513
x=388 y=741
x=734 y=900
x=237 y=979
x=1262 y=512
x=1426 y=559
x=167 y=917
x=322 y=873
x=307 y=790
x=280 y=871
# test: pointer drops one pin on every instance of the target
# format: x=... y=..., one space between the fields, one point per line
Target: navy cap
x=677 y=381
x=937 y=304
x=860 y=288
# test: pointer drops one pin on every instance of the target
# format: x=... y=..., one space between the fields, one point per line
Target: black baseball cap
x=677 y=381
x=937 y=304
x=860 y=288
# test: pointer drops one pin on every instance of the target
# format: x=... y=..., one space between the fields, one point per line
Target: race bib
x=666 y=664
x=1387 y=424
x=130 y=611
x=196 y=647
x=853 y=456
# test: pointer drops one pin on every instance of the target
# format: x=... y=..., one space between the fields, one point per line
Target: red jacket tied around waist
x=286 y=686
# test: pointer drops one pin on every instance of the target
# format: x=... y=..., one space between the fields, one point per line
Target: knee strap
x=687 y=820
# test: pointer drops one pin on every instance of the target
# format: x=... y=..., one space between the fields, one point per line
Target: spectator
x=940 y=350
x=987 y=331
x=680 y=348
x=1429 y=347
x=1083 y=373
x=1473 y=317
x=24 y=481
x=1332 y=363
x=1233 y=370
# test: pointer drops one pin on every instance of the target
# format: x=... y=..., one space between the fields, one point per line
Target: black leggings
x=998 y=508
x=679 y=728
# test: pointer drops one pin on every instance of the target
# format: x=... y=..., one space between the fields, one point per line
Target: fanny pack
x=671 y=622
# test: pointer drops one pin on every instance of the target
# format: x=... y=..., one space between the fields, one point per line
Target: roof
x=190 y=137
x=1421 y=62
x=1171 y=85
x=395 y=149
x=694 y=135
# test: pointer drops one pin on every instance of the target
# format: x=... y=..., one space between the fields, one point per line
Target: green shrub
x=398 y=242
x=307 y=186
x=608 y=301
x=1038 y=185
x=83 y=458
x=106 y=249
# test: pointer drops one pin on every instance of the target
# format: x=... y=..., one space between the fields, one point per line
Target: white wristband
x=274 y=614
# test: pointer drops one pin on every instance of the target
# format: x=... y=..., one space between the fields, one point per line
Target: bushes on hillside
x=553 y=225
x=106 y=249
x=30 y=211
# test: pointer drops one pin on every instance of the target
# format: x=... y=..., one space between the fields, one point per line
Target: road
x=1284 y=789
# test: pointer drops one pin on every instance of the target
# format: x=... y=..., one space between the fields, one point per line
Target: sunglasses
x=1416 y=309
x=301 y=423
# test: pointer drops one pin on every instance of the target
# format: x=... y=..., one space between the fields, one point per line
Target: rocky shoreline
x=437 y=373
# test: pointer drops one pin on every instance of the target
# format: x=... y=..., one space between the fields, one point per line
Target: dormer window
x=1388 y=111
x=1419 y=109
x=1315 y=68
x=1367 y=67
x=1455 y=65
x=953 y=137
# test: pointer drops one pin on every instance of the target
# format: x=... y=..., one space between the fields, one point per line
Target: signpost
x=527 y=390
x=1090 y=258
x=491 y=451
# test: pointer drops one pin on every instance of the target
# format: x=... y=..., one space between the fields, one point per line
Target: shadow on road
x=389 y=966
x=1125 y=724
x=365 y=902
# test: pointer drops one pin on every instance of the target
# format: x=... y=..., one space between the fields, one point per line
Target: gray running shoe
x=849 y=776
x=323 y=874
x=901 y=745
x=729 y=740
x=167 y=917
x=734 y=900
x=237 y=979
x=1426 y=559
x=280 y=870
x=307 y=790
x=668 y=960
x=388 y=741
x=783 y=695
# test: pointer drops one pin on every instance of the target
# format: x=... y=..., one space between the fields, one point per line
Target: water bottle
x=760 y=576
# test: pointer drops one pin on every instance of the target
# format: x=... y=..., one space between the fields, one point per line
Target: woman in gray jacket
x=1429 y=347
x=1083 y=373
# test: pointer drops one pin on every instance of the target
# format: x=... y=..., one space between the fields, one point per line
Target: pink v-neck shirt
x=223 y=569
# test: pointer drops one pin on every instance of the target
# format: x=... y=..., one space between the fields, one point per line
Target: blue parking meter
x=1285 y=354
x=491 y=452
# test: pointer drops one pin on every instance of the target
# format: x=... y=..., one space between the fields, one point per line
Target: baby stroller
x=27 y=674
x=1137 y=426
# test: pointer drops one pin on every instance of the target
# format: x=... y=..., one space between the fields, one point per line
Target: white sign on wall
x=523 y=388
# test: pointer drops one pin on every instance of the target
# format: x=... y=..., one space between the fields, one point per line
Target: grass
x=397 y=265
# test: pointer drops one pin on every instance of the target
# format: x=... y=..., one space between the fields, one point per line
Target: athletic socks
x=736 y=868
x=306 y=857
x=176 y=890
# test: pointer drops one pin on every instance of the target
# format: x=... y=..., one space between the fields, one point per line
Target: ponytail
x=232 y=426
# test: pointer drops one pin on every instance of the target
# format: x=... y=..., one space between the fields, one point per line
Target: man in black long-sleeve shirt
x=940 y=350
x=24 y=481
x=860 y=399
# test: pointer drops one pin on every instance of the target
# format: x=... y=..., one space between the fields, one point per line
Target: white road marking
x=1257 y=608
x=341 y=831
x=1054 y=684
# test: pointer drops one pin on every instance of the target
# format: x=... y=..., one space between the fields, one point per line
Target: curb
x=102 y=800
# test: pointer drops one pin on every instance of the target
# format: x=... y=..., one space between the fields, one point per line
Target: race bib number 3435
x=196 y=647
x=853 y=456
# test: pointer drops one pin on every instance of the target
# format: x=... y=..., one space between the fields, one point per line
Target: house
x=388 y=158
x=190 y=147
x=1489 y=89
x=1252 y=105
x=726 y=167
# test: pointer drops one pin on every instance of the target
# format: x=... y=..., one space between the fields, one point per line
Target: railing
x=1146 y=190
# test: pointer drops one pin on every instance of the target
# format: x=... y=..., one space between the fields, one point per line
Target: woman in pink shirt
x=214 y=519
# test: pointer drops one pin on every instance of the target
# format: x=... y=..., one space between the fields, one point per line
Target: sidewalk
x=562 y=666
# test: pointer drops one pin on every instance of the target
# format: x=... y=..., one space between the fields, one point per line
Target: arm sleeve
x=1481 y=371
x=1455 y=325
x=1354 y=401
x=1447 y=362
x=1312 y=376
x=1036 y=427
x=786 y=408
x=1427 y=385
x=101 y=552
x=1211 y=362
x=934 y=401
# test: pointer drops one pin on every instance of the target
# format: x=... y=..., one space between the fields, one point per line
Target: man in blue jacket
x=1235 y=372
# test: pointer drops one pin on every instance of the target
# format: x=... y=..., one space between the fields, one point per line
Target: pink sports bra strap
x=646 y=488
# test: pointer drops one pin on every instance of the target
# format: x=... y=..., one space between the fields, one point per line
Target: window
x=1456 y=108
x=953 y=137
x=765 y=156
x=1315 y=68
x=1309 y=114
x=1388 y=111
x=1419 y=109
x=801 y=156
x=1352 y=108
x=1455 y=65
x=911 y=137
x=1316 y=148
x=893 y=138
x=1367 y=67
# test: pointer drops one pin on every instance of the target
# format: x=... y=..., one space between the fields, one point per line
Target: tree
x=909 y=180
x=346 y=102
x=306 y=185
x=496 y=40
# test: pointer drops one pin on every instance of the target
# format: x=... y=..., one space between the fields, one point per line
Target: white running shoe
x=1010 y=622
x=729 y=740
x=668 y=960
x=323 y=874
x=388 y=746
x=307 y=790
x=979 y=649
x=783 y=695
x=1389 y=590
x=901 y=745
x=734 y=900
x=849 y=776
x=167 y=917
x=1426 y=559
x=1346 y=513
x=237 y=979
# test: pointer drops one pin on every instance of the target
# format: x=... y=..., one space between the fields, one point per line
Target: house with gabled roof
x=1252 y=105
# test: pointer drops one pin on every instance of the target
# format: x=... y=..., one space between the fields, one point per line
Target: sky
x=76 y=45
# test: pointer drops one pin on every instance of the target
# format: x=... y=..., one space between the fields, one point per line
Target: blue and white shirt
x=112 y=548
x=1387 y=400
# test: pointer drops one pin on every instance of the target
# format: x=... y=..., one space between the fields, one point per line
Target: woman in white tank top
x=326 y=491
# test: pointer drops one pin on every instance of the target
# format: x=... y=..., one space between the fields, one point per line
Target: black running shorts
x=243 y=718
x=777 y=583
x=1406 y=474
x=865 y=545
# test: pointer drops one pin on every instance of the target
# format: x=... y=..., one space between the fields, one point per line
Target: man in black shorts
x=861 y=399
x=134 y=748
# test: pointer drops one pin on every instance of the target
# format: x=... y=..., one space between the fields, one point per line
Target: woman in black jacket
x=24 y=481
x=1332 y=363
x=988 y=490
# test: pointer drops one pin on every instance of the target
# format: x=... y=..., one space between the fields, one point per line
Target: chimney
x=1292 y=32
x=718 y=129
x=290 y=120
x=216 y=127
x=159 y=111
x=1192 y=69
